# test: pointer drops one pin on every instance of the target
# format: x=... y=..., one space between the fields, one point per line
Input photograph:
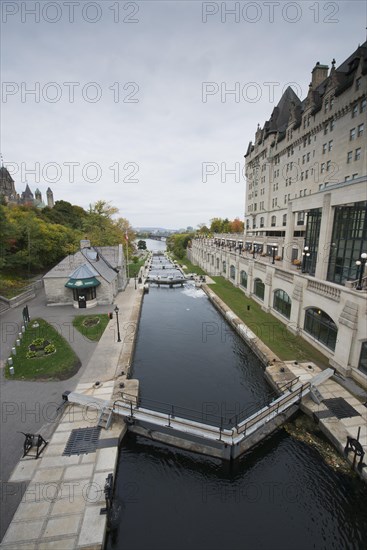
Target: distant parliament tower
x=9 y=194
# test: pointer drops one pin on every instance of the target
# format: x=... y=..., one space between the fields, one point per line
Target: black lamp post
x=361 y=264
x=135 y=281
x=118 y=326
x=274 y=249
x=305 y=254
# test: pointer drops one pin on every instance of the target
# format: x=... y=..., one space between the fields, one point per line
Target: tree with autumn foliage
x=218 y=225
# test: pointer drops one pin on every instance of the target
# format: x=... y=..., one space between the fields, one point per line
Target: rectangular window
x=301 y=176
x=330 y=145
x=322 y=167
x=355 y=110
x=354 y=176
x=308 y=157
x=306 y=175
x=347 y=178
x=331 y=103
x=326 y=129
x=303 y=159
x=360 y=130
x=358 y=83
x=363 y=105
x=326 y=105
x=357 y=154
x=328 y=164
x=324 y=148
x=332 y=125
x=349 y=157
x=352 y=134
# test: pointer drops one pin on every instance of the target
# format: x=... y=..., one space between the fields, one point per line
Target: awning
x=82 y=283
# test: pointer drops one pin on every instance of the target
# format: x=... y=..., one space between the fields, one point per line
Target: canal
x=281 y=495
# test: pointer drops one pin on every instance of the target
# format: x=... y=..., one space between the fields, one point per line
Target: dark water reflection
x=188 y=356
x=279 y=496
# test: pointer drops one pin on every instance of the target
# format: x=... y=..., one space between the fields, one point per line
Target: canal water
x=281 y=495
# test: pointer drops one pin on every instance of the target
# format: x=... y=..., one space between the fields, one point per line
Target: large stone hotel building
x=302 y=255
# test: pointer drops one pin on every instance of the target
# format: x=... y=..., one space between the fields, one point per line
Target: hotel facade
x=303 y=252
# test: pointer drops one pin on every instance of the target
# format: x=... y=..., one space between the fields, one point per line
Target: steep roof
x=86 y=258
x=84 y=271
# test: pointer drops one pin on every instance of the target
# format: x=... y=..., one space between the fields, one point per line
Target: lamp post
x=274 y=249
x=118 y=326
x=135 y=281
x=254 y=251
x=305 y=254
x=361 y=265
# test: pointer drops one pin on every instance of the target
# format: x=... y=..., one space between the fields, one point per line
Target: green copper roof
x=82 y=283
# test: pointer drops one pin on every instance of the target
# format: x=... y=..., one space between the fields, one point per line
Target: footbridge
x=201 y=431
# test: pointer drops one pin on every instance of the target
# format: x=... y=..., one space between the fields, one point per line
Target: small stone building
x=91 y=276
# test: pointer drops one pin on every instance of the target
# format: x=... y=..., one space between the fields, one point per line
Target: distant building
x=9 y=194
x=91 y=276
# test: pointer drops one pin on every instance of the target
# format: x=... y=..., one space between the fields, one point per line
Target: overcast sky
x=146 y=107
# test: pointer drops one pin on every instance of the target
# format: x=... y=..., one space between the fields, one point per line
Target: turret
x=50 y=198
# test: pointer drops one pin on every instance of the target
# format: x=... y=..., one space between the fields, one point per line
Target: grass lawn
x=190 y=268
x=60 y=365
x=91 y=326
x=134 y=268
x=271 y=331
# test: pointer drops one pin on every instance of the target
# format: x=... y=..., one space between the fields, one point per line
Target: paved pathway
x=31 y=406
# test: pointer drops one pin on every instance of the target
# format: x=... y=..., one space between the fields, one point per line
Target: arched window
x=217 y=263
x=273 y=221
x=259 y=288
x=232 y=272
x=321 y=326
x=282 y=303
x=243 y=281
x=224 y=267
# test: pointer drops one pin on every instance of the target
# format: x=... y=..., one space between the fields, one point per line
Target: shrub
x=31 y=354
x=49 y=349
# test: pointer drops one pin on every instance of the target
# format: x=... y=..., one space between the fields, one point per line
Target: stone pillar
x=268 y=280
x=326 y=229
x=348 y=322
x=289 y=238
x=296 y=309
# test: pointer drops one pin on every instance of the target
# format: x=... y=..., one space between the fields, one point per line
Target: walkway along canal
x=279 y=495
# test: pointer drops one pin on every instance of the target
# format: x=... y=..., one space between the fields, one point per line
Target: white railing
x=324 y=289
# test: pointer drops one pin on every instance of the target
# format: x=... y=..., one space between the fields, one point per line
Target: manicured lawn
x=91 y=326
x=271 y=331
x=60 y=365
x=190 y=268
x=135 y=268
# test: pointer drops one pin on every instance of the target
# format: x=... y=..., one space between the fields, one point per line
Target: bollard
x=10 y=361
x=20 y=334
x=11 y=370
x=17 y=342
x=14 y=351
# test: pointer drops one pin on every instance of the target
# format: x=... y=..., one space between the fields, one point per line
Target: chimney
x=84 y=243
x=319 y=74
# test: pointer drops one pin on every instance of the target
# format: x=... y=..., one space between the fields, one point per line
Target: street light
x=135 y=281
x=274 y=249
x=361 y=264
x=118 y=326
x=305 y=254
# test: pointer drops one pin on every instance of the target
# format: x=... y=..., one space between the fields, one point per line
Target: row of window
x=317 y=323
x=357 y=155
x=356 y=132
x=359 y=107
